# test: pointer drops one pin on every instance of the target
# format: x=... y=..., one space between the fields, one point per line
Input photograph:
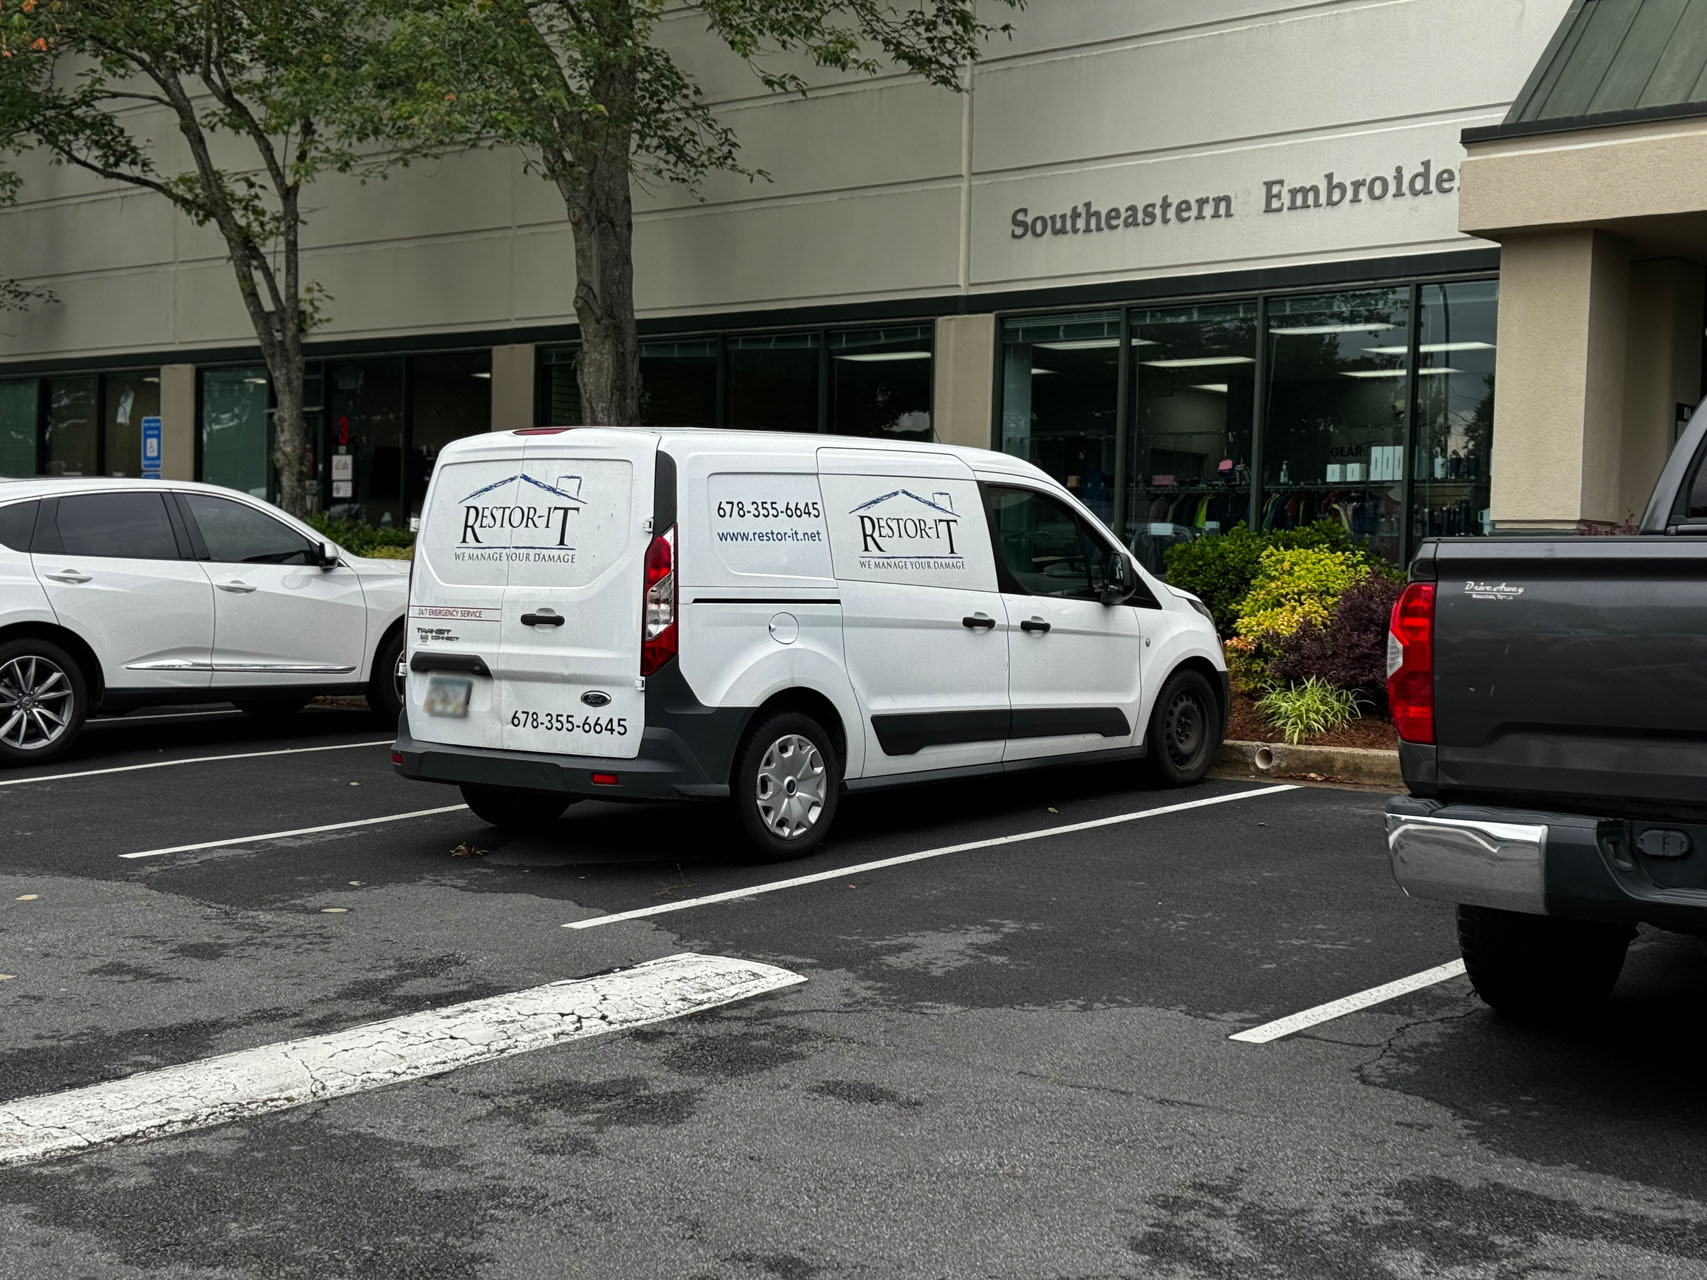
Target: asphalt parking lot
x=1005 y=1052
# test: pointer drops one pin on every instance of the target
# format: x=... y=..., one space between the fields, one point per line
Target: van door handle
x=241 y=588
x=1034 y=624
x=978 y=622
x=67 y=575
x=542 y=620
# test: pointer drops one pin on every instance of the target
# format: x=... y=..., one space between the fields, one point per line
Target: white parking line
x=1349 y=1004
x=168 y=764
x=300 y=831
x=197 y=1095
x=735 y=895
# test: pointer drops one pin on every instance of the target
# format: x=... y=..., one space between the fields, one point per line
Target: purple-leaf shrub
x=1350 y=652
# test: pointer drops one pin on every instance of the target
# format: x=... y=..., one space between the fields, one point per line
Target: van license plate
x=448 y=696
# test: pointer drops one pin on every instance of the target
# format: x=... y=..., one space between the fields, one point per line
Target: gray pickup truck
x=1551 y=700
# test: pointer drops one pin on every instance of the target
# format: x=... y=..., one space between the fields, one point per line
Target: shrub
x=1296 y=587
x=1309 y=710
x=1219 y=571
x=362 y=538
x=1350 y=652
x=390 y=553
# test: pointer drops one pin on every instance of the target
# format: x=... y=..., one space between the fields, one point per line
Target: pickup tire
x=1539 y=967
x=516 y=810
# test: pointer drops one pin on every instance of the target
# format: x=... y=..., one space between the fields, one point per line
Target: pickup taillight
x=1410 y=664
x=658 y=609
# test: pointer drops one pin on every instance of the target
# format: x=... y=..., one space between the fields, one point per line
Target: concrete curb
x=1357 y=766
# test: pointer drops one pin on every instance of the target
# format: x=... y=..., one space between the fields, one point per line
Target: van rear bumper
x=665 y=769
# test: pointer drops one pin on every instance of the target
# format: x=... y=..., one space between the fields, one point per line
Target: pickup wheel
x=787 y=781
x=516 y=810
x=1539 y=967
x=1185 y=730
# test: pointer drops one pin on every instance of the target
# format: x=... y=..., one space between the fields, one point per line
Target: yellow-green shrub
x=1294 y=587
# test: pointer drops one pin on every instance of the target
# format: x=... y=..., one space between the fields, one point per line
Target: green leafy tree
x=588 y=93
x=265 y=96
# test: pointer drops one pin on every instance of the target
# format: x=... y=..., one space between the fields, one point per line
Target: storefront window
x=128 y=398
x=1060 y=390
x=451 y=395
x=1335 y=426
x=235 y=429
x=1457 y=335
x=880 y=383
x=773 y=381
x=18 y=427
x=72 y=427
x=678 y=383
x=1194 y=392
x=367 y=426
x=561 y=393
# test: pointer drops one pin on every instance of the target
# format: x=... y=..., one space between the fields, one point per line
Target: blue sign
x=151 y=450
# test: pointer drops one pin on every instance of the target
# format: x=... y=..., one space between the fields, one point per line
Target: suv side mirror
x=1119 y=581
x=327 y=556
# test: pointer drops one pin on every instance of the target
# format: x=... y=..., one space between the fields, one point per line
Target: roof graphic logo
x=524 y=512
x=910 y=527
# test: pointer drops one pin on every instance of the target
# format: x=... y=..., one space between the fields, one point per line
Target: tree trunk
x=290 y=436
x=601 y=219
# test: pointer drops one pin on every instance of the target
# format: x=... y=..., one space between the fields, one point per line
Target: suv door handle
x=67 y=575
x=241 y=588
x=1034 y=624
x=542 y=620
x=978 y=622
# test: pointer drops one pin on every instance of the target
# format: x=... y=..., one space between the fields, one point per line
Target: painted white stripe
x=300 y=831
x=1350 y=1004
x=236 y=1086
x=841 y=873
x=169 y=764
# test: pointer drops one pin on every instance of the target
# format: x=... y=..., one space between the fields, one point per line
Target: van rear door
x=557 y=535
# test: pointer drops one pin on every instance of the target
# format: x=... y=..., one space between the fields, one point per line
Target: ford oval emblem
x=596 y=699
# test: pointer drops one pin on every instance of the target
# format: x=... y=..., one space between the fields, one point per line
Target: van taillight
x=1410 y=664
x=658 y=617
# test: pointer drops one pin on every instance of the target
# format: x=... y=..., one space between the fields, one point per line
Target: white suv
x=118 y=594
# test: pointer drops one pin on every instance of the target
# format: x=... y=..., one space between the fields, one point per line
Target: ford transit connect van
x=772 y=619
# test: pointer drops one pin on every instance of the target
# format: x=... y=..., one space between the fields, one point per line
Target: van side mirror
x=1119 y=581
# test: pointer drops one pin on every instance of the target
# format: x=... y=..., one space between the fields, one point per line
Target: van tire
x=516 y=810
x=1540 y=968
x=1186 y=726
x=788 y=775
x=46 y=670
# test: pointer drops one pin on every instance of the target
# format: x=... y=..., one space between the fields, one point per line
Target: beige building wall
x=178 y=421
x=512 y=386
x=883 y=190
x=963 y=392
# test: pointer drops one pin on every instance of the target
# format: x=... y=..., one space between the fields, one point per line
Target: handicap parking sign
x=151 y=449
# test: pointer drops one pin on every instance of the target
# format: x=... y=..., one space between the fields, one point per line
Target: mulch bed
x=1245 y=725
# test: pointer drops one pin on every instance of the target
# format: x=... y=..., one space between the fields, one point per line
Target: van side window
x=1047 y=551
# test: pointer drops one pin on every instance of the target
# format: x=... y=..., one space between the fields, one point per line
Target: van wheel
x=787 y=783
x=1185 y=730
x=43 y=702
x=516 y=810
x=385 y=686
x=1539 y=967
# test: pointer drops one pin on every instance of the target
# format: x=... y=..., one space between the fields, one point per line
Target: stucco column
x=964 y=380
x=178 y=421
x=512 y=386
x=1559 y=408
x=1663 y=371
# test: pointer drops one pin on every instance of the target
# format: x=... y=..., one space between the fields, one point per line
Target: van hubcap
x=790 y=787
x=35 y=703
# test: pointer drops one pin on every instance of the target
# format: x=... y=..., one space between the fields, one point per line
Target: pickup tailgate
x=1572 y=672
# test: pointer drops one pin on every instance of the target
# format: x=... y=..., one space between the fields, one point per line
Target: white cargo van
x=771 y=619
